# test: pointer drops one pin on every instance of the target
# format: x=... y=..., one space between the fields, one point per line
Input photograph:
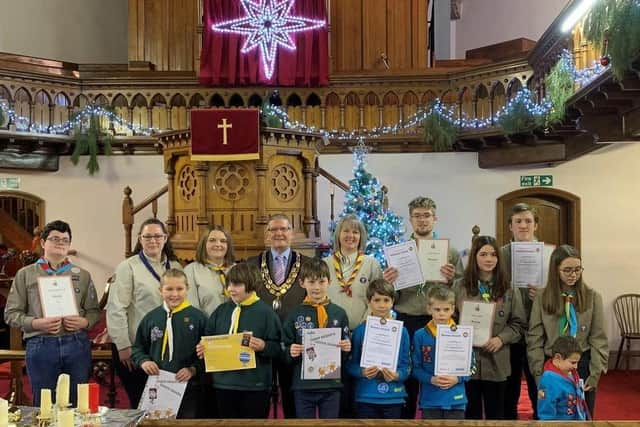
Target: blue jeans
x=326 y=402
x=375 y=411
x=47 y=357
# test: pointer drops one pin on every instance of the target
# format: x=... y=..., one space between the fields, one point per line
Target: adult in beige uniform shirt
x=133 y=294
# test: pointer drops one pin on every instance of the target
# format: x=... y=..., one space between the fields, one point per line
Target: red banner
x=225 y=135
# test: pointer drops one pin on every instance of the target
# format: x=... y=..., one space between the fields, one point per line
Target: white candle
x=65 y=418
x=4 y=413
x=45 y=403
x=62 y=391
x=83 y=398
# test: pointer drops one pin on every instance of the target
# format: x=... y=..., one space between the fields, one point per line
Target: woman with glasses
x=133 y=294
x=207 y=274
x=567 y=306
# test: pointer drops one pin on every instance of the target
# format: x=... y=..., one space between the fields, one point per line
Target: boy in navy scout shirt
x=380 y=393
x=560 y=392
x=167 y=337
x=441 y=396
x=316 y=311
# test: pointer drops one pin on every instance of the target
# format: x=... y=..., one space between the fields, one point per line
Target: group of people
x=157 y=312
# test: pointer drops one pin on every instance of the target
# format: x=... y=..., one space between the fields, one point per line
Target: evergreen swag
x=87 y=136
x=613 y=26
x=439 y=130
x=519 y=115
x=560 y=87
x=269 y=116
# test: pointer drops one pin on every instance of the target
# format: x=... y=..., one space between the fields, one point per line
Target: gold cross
x=224 y=126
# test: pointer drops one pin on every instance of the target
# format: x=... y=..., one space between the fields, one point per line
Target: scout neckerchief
x=278 y=291
x=433 y=327
x=220 y=270
x=147 y=264
x=168 y=329
x=323 y=317
x=62 y=268
x=569 y=319
x=235 y=315
x=485 y=290
x=574 y=379
x=337 y=265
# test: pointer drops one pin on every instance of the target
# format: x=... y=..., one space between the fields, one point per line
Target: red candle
x=94 y=397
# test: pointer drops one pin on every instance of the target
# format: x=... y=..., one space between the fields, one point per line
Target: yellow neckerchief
x=433 y=327
x=168 y=328
x=323 y=317
x=337 y=265
x=235 y=315
x=221 y=270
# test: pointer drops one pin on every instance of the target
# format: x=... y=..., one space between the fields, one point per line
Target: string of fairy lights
x=447 y=112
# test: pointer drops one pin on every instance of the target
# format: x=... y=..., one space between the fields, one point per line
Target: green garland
x=270 y=117
x=560 y=86
x=439 y=131
x=518 y=118
x=87 y=139
x=614 y=27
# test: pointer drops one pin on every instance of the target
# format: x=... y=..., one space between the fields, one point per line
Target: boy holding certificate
x=54 y=303
x=315 y=312
x=167 y=337
x=380 y=392
x=441 y=396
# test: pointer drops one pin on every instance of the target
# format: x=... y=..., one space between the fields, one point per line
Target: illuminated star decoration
x=268 y=25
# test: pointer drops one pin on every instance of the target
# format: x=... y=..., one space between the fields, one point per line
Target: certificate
x=228 y=352
x=527 y=267
x=321 y=355
x=162 y=395
x=57 y=297
x=433 y=254
x=480 y=316
x=454 y=348
x=381 y=343
x=404 y=257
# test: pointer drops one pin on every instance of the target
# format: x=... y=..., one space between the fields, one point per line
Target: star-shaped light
x=268 y=25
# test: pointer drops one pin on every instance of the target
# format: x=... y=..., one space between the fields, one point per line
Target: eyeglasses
x=568 y=271
x=422 y=216
x=278 y=229
x=150 y=237
x=58 y=240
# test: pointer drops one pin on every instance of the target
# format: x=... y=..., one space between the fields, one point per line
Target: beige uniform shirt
x=206 y=291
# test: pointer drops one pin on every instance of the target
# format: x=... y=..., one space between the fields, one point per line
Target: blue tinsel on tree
x=365 y=200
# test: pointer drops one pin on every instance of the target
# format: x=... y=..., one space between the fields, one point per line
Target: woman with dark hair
x=567 y=306
x=207 y=274
x=485 y=281
x=132 y=295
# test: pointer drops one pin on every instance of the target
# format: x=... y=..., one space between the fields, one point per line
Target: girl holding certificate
x=207 y=274
x=133 y=294
x=567 y=306
x=485 y=282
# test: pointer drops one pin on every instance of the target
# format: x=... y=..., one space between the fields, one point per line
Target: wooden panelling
x=346 y=35
x=419 y=33
x=399 y=34
x=374 y=33
x=182 y=26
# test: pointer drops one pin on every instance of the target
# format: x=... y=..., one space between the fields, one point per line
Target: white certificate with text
x=162 y=395
x=381 y=343
x=527 y=266
x=321 y=355
x=454 y=349
x=57 y=296
x=404 y=257
x=480 y=316
x=433 y=254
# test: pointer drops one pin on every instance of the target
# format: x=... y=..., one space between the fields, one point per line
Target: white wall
x=485 y=22
x=80 y=31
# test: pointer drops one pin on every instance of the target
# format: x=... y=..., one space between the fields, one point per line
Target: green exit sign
x=9 y=183
x=536 y=180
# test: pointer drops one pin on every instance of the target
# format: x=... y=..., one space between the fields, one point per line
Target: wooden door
x=558 y=211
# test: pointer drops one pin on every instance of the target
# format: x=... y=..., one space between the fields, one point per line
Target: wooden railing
x=129 y=211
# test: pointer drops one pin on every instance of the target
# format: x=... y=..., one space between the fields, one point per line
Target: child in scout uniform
x=567 y=306
x=66 y=337
x=485 y=281
x=244 y=393
x=441 y=396
x=380 y=392
x=167 y=337
x=316 y=311
x=561 y=394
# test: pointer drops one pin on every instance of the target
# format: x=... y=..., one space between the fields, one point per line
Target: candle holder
x=42 y=421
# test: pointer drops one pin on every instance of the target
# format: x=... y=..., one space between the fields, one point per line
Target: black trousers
x=519 y=363
x=412 y=385
x=243 y=403
x=132 y=381
x=487 y=395
x=283 y=373
x=584 y=372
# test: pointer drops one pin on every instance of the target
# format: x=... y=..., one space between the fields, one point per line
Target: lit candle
x=4 y=412
x=65 y=418
x=45 y=403
x=94 y=397
x=83 y=398
x=62 y=391
x=333 y=189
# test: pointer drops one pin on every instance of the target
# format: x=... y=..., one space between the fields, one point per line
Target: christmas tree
x=365 y=200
